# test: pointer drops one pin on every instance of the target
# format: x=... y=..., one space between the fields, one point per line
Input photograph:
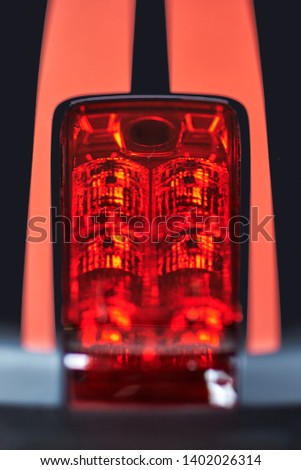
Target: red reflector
x=150 y=290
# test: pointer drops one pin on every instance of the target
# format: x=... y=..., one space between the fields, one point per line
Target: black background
x=21 y=34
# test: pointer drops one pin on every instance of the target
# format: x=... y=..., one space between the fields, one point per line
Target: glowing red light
x=147 y=275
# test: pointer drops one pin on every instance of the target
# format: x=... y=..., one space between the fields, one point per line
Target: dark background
x=279 y=36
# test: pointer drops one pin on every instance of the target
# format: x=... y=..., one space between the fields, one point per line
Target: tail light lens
x=150 y=275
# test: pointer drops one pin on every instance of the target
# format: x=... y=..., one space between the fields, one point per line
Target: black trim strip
x=150 y=59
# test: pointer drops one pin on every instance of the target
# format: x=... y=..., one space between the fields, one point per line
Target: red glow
x=84 y=124
x=147 y=278
x=149 y=354
x=110 y=336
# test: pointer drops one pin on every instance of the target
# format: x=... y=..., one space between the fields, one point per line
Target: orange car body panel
x=213 y=50
x=87 y=49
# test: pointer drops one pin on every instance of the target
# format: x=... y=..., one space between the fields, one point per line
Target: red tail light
x=150 y=290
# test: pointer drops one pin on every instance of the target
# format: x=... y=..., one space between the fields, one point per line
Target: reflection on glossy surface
x=220 y=388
